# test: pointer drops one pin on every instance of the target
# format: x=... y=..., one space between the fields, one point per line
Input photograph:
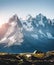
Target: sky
x=24 y=7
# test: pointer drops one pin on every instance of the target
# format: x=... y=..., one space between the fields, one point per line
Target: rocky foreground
x=36 y=58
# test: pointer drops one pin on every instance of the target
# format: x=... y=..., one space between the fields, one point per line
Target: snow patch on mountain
x=35 y=36
x=49 y=35
x=40 y=31
x=41 y=23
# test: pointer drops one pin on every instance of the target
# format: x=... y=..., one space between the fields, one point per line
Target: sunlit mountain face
x=12 y=33
x=20 y=35
x=3 y=30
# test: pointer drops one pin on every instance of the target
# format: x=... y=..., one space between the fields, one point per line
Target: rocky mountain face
x=40 y=26
x=14 y=32
x=28 y=35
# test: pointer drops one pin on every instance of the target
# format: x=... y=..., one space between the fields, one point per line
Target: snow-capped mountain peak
x=14 y=32
x=38 y=27
x=39 y=24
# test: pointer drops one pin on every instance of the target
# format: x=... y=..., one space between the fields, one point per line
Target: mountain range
x=34 y=33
